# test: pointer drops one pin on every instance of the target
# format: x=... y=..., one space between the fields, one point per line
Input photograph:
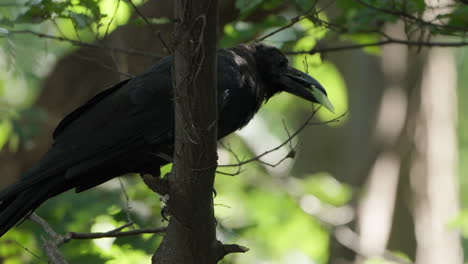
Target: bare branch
x=58 y=240
x=47 y=228
x=72 y=235
x=112 y=18
x=31 y=252
x=405 y=15
x=87 y=45
x=103 y=65
x=304 y=125
x=226 y=249
x=387 y=41
x=50 y=246
x=169 y=50
x=292 y=22
x=55 y=256
x=139 y=13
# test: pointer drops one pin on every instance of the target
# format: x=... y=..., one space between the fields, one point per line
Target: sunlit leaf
x=5 y=132
x=365 y=39
x=327 y=189
x=240 y=32
x=80 y=20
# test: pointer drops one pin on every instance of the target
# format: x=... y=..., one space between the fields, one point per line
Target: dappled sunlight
x=379 y=184
x=103 y=225
x=257 y=136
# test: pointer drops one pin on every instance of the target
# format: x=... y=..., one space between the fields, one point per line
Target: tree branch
x=191 y=233
x=57 y=240
x=384 y=42
x=113 y=233
x=85 y=44
x=306 y=123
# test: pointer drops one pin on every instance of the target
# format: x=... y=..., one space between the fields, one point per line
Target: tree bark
x=191 y=234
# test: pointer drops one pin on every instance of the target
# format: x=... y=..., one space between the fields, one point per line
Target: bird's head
x=280 y=76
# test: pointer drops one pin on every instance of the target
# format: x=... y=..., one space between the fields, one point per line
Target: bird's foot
x=156 y=184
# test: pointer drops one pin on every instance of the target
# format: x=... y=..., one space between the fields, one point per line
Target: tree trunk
x=191 y=234
x=433 y=173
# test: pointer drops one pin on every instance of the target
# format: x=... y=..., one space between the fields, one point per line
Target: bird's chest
x=238 y=109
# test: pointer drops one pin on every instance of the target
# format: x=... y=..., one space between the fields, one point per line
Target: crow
x=129 y=128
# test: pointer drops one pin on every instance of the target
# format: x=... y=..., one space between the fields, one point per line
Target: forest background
x=379 y=181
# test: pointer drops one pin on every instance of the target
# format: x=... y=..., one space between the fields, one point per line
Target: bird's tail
x=20 y=199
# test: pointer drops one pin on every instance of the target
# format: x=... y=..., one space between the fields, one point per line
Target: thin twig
x=405 y=15
x=47 y=228
x=139 y=13
x=145 y=19
x=305 y=124
x=50 y=246
x=59 y=240
x=238 y=160
x=51 y=249
x=72 y=235
x=379 y=43
x=291 y=23
x=127 y=209
x=87 y=45
x=103 y=65
x=31 y=252
x=112 y=18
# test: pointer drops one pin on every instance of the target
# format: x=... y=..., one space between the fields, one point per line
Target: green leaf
x=93 y=6
x=80 y=20
x=42 y=11
x=459 y=17
x=305 y=5
x=417 y=5
x=240 y=32
x=327 y=189
x=5 y=131
x=246 y=6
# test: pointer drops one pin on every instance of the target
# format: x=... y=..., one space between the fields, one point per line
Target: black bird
x=129 y=128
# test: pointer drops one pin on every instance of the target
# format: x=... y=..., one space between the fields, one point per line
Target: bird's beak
x=304 y=86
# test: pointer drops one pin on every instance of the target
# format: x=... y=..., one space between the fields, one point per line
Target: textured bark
x=191 y=234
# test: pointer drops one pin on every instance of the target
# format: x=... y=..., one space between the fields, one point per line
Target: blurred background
x=381 y=180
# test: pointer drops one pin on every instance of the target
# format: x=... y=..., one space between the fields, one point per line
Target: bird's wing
x=90 y=103
x=130 y=116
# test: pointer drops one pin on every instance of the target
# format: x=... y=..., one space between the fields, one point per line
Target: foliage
x=256 y=209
